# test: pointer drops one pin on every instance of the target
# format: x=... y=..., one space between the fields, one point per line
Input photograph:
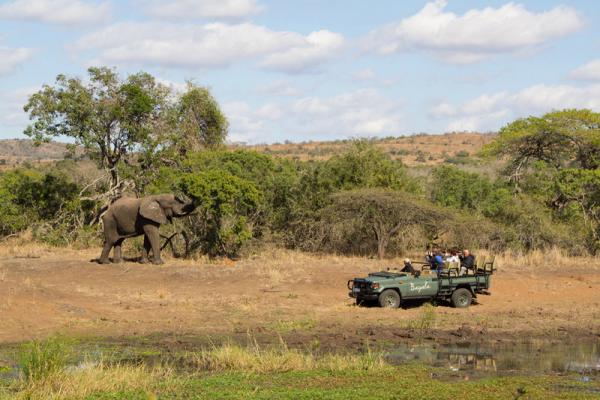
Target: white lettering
x=418 y=288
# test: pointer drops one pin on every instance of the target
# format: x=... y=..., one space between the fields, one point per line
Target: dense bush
x=228 y=207
x=151 y=140
x=28 y=197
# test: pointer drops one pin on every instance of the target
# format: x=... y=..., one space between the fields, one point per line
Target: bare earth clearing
x=301 y=298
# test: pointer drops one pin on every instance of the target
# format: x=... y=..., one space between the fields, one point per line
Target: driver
x=408 y=268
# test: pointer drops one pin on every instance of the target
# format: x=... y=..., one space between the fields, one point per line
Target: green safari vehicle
x=389 y=288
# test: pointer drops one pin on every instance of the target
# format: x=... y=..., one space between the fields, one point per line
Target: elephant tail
x=98 y=217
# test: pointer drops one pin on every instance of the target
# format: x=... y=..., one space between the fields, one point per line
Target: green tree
x=202 y=124
x=29 y=196
x=109 y=117
x=568 y=138
x=227 y=207
x=581 y=188
x=380 y=213
x=453 y=187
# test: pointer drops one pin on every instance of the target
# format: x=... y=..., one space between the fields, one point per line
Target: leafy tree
x=381 y=213
x=581 y=188
x=192 y=123
x=227 y=207
x=107 y=116
x=453 y=187
x=568 y=138
x=201 y=122
x=29 y=196
x=362 y=166
x=366 y=166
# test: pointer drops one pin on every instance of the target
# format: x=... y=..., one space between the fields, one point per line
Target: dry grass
x=544 y=260
x=23 y=246
x=87 y=379
x=434 y=147
x=232 y=357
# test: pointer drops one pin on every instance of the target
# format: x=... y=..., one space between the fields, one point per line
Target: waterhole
x=486 y=359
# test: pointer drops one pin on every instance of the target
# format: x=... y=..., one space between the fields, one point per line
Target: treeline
x=358 y=202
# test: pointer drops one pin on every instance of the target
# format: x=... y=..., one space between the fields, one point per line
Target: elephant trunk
x=190 y=207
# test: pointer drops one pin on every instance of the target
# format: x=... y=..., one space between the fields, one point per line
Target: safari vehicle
x=390 y=288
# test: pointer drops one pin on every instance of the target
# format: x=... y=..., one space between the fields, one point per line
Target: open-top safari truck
x=390 y=288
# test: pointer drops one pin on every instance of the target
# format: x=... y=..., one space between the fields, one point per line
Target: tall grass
x=87 y=380
x=46 y=374
x=39 y=359
x=552 y=259
x=233 y=357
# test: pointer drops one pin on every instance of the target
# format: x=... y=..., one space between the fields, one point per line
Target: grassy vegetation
x=40 y=359
x=236 y=372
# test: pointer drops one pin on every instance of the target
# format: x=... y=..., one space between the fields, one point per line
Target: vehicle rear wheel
x=462 y=298
x=389 y=298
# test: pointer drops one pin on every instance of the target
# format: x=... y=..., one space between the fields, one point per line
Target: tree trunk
x=382 y=243
x=114 y=177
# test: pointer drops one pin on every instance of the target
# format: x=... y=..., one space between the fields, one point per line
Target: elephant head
x=163 y=207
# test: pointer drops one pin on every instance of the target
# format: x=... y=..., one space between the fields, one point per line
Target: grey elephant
x=128 y=217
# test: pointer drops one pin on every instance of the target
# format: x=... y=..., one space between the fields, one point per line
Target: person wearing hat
x=408 y=268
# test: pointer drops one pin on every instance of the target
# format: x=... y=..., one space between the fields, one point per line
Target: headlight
x=374 y=285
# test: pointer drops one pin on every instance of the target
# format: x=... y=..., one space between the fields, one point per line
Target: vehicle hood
x=385 y=276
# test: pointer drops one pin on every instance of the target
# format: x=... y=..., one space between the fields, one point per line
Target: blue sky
x=306 y=70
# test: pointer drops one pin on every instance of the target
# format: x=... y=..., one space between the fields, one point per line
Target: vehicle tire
x=462 y=298
x=389 y=298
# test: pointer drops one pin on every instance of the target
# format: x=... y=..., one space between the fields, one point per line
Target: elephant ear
x=151 y=210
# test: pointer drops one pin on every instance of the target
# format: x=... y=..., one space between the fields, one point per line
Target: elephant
x=128 y=217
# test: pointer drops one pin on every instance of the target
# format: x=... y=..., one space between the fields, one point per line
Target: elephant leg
x=117 y=254
x=151 y=232
x=145 y=250
x=108 y=244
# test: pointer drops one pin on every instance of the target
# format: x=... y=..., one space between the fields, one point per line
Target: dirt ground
x=279 y=294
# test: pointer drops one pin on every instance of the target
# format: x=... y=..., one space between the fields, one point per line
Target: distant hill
x=14 y=151
x=421 y=149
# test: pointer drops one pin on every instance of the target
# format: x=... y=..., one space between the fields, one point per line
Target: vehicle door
x=421 y=287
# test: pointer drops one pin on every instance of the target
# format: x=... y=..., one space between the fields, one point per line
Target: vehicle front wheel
x=389 y=298
x=461 y=298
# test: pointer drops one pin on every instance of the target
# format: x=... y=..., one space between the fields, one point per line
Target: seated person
x=467 y=262
x=437 y=262
x=453 y=257
x=408 y=268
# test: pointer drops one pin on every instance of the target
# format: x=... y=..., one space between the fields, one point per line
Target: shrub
x=28 y=196
x=227 y=206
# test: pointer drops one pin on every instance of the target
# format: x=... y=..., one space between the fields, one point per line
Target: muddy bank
x=300 y=298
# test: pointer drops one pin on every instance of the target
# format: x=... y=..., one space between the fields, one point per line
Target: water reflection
x=541 y=357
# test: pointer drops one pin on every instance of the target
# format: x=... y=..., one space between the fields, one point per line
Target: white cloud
x=363 y=112
x=176 y=87
x=307 y=54
x=11 y=107
x=215 y=9
x=475 y=35
x=12 y=58
x=369 y=75
x=209 y=46
x=491 y=111
x=244 y=125
x=365 y=74
x=588 y=72
x=270 y=111
x=62 y=12
x=280 y=88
